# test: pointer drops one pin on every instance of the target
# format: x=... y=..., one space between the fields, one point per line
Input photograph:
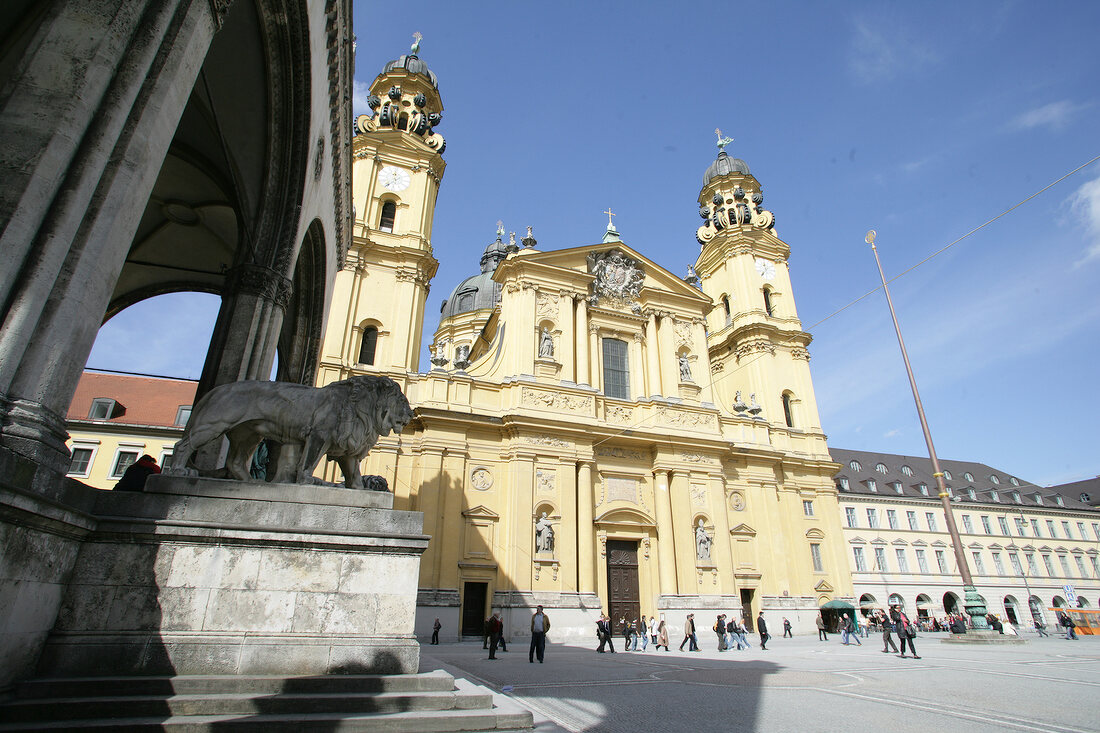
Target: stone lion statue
x=343 y=420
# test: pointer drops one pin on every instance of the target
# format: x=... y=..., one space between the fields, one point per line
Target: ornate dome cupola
x=731 y=197
x=480 y=291
x=405 y=97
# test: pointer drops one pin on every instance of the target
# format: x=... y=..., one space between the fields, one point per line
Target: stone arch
x=951 y=603
x=300 y=337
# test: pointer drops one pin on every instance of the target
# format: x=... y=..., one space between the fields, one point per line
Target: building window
x=1081 y=531
x=855 y=465
x=850 y=516
x=997 y=564
x=787 y=414
x=872 y=485
x=995 y=480
x=941 y=561
x=1065 y=528
x=768 y=302
x=880 y=560
x=81 y=462
x=1065 y=566
x=726 y=305
x=1004 y=526
x=1013 y=480
x=986 y=525
x=1016 y=497
x=368 y=345
x=123 y=460
x=931 y=518
x=892 y=518
x=903 y=560
x=897 y=486
x=922 y=561
x=1039 y=499
x=843 y=483
x=389 y=215
x=906 y=471
x=994 y=495
x=165 y=458
x=978 y=564
x=1032 y=568
x=923 y=489
x=861 y=563
x=1048 y=565
x=1021 y=527
x=1095 y=566
x=1058 y=500
x=1015 y=560
x=102 y=409
x=912 y=517
x=968 y=476
x=972 y=494
x=872 y=518
x=1096 y=531
x=1035 y=527
x=1080 y=566
x=807 y=508
x=815 y=556
x=616 y=369
x=183 y=414
x=1050 y=529
x=880 y=467
x=947 y=474
x=967 y=526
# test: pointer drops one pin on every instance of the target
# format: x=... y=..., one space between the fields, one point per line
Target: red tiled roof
x=147 y=400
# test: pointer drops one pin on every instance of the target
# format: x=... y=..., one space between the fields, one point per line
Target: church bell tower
x=758 y=350
x=377 y=312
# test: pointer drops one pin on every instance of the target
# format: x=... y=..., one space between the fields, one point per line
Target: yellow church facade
x=593 y=433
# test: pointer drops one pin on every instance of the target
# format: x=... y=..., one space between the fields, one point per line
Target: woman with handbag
x=906 y=631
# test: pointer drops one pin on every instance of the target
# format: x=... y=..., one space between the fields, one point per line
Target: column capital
x=261 y=281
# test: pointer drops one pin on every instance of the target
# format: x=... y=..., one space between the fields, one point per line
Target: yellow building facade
x=594 y=434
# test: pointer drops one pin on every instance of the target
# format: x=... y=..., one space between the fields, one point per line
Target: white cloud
x=892 y=433
x=1055 y=115
x=1085 y=203
x=879 y=54
x=360 y=91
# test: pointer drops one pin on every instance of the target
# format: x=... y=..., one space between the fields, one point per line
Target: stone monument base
x=985 y=636
x=209 y=576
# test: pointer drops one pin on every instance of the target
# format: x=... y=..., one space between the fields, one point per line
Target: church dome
x=479 y=291
x=414 y=65
x=723 y=166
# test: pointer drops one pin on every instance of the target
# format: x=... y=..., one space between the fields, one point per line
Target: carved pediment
x=900 y=542
x=857 y=541
x=939 y=543
x=823 y=587
x=815 y=534
x=920 y=543
x=626 y=515
x=480 y=512
x=744 y=530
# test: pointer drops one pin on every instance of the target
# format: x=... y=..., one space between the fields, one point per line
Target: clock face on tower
x=765 y=268
x=393 y=178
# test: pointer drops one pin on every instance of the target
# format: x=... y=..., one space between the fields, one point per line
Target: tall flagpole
x=973 y=603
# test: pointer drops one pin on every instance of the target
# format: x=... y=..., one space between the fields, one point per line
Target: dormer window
x=994 y=495
x=993 y=479
x=972 y=494
x=183 y=414
x=1039 y=499
x=1058 y=500
x=1016 y=497
x=843 y=482
x=947 y=474
x=1013 y=480
x=897 y=486
x=923 y=489
x=906 y=471
x=970 y=477
x=104 y=408
x=880 y=467
x=872 y=485
x=1085 y=498
x=855 y=465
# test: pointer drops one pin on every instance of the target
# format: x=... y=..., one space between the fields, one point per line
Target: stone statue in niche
x=462 y=356
x=702 y=543
x=546 y=344
x=343 y=420
x=544 y=535
x=685 y=368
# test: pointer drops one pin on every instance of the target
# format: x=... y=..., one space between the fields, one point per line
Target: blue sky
x=921 y=121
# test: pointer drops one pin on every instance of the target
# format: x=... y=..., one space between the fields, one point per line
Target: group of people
x=732 y=632
x=494 y=635
x=639 y=631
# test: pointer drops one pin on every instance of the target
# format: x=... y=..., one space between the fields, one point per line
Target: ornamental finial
x=722 y=141
x=416 y=43
x=500 y=228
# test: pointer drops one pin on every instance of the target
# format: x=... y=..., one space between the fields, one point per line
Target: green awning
x=839 y=605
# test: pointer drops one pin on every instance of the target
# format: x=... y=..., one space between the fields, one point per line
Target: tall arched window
x=726 y=304
x=370 y=341
x=389 y=214
x=788 y=413
x=768 y=302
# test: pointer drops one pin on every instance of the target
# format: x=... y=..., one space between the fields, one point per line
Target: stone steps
x=424 y=702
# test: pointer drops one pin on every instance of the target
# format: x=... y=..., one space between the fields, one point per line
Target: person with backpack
x=906 y=631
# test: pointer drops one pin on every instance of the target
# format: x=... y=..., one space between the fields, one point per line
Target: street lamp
x=972 y=602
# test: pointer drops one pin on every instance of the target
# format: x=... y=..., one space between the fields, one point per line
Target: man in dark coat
x=495 y=627
x=762 y=627
x=134 y=477
x=603 y=631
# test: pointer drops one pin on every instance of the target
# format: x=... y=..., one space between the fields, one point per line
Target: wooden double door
x=622 y=581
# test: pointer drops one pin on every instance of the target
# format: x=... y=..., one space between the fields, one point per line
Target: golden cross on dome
x=609 y=215
x=722 y=141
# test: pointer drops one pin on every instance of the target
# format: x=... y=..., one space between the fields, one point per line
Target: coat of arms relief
x=618 y=280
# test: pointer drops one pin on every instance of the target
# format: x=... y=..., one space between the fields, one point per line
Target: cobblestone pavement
x=1049 y=685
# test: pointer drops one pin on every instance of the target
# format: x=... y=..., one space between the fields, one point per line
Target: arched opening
x=768 y=308
x=726 y=306
x=788 y=411
x=867 y=604
x=924 y=606
x=1058 y=602
x=1082 y=602
x=897 y=600
x=368 y=345
x=1035 y=605
x=951 y=603
x=300 y=337
x=1011 y=609
x=388 y=216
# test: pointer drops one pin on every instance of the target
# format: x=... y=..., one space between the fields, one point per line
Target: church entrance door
x=473 y=608
x=622 y=581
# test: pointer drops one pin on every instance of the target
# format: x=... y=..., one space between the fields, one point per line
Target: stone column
x=115 y=82
x=581 y=341
x=666 y=541
x=653 y=363
x=680 y=501
x=586 y=531
x=595 y=357
x=637 y=382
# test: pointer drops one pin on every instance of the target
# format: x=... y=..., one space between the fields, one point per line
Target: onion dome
x=480 y=291
x=414 y=65
x=723 y=166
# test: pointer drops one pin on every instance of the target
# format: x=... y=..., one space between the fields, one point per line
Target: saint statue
x=544 y=535
x=702 y=543
x=685 y=368
x=546 y=344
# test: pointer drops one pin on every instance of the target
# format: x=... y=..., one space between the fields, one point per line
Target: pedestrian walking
x=762 y=627
x=906 y=631
x=1069 y=626
x=887 y=633
x=787 y=629
x=495 y=627
x=662 y=635
x=653 y=631
x=435 y=631
x=821 y=633
x=540 y=624
x=643 y=633
x=603 y=631
x=1041 y=628
x=720 y=629
x=689 y=634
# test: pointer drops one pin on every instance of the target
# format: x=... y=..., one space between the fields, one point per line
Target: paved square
x=800 y=684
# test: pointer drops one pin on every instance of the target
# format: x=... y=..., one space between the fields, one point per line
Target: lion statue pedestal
x=215 y=576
